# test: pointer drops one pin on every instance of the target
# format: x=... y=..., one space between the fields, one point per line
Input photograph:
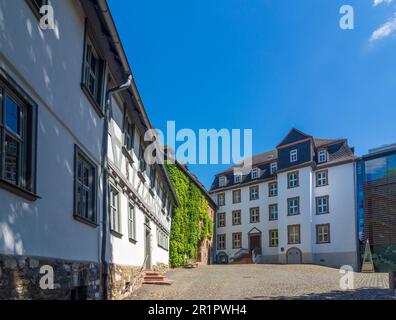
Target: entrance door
x=255 y=243
x=147 y=247
x=294 y=256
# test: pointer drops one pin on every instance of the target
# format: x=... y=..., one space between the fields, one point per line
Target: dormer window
x=222 y=181
x=274 y=167
x=255 y=173
x=293 y=155
x=237 y=178
x=322 y=156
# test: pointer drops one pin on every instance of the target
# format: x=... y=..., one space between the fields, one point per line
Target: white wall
x=47 y=65
x=122 y=250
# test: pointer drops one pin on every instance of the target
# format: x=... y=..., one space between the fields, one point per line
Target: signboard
x=367 y=265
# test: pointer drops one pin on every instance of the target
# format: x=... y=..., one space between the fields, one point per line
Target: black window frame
x=27 y=163
x=96 y=101
x=79 y=153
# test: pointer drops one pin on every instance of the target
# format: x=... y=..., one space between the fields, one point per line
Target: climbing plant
x=191 y=222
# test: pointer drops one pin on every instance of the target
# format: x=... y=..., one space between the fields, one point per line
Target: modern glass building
x=376 y=196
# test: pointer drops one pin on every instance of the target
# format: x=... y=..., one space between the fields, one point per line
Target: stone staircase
x=246 y=259
x=152 y=277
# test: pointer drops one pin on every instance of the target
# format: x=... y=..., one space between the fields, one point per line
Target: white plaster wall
x=342 y=219
x=47 y=65
x=304 y=218
x=122 y=250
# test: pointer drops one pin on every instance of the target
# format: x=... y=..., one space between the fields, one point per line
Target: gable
x=293 y=136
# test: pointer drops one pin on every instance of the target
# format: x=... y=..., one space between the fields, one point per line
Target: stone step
x=159 y=283
x=154 y=278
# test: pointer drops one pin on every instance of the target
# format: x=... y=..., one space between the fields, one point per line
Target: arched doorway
x=294 y=256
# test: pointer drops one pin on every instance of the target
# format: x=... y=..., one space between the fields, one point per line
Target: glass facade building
x=376 y=196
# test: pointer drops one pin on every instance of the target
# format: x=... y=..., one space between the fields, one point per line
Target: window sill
x=322 y=214
x=127 y=154
x=322 y=185
x=151 y=190
x=116 y=234
x=18 y=191
x=92 y=100
x=85 y=221
x=133 y=241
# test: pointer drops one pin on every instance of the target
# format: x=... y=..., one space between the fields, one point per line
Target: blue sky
x=266 y=65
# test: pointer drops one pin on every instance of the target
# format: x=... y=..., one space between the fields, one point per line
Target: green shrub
x=186 y=231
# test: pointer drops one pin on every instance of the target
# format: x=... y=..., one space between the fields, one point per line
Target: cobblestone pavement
x=262 y=282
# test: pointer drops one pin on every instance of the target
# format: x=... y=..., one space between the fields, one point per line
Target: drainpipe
x=105 y=170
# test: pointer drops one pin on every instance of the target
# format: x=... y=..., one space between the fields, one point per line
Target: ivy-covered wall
x=187 y=218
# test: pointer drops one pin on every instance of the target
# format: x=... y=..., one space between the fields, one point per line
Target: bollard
x=392 y=280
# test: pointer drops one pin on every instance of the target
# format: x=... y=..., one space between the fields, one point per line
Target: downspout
x=105 y=170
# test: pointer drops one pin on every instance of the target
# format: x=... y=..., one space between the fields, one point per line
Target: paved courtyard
x=264 y=282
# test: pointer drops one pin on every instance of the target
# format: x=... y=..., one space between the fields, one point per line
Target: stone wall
x=123 y=280
x=161 y=268
x=20 y=279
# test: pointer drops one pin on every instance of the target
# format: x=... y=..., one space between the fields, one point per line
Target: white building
x=53 y=85
x=297 y=205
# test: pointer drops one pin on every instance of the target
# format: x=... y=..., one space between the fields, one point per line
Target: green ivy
x=187 y=218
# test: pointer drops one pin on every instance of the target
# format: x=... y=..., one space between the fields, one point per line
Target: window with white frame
x=237 y=178
x=162 y=239
x=274 y=238
x=273 y=189
x=293 y=155
x=221 y=221
x=221 y=242
x=131 y=222
x=292 y=179
x=85 y=187
x=255 y=215
x=222 y=181
x=273 y=212
x=221 y=199
x=293 y=234
x=255 y=173
x=237 y=240
x=236 y=218
x=323 y=233
x=322 y=156
x=293 y=206
x=236 y=196
x=115 y=213
x=322 y=178
x=273 y=167
x=322 y=205
x=254 y=193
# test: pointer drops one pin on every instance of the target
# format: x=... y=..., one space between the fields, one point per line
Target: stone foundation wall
x=161 y=268
x=123 y=280
x=20 y=279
